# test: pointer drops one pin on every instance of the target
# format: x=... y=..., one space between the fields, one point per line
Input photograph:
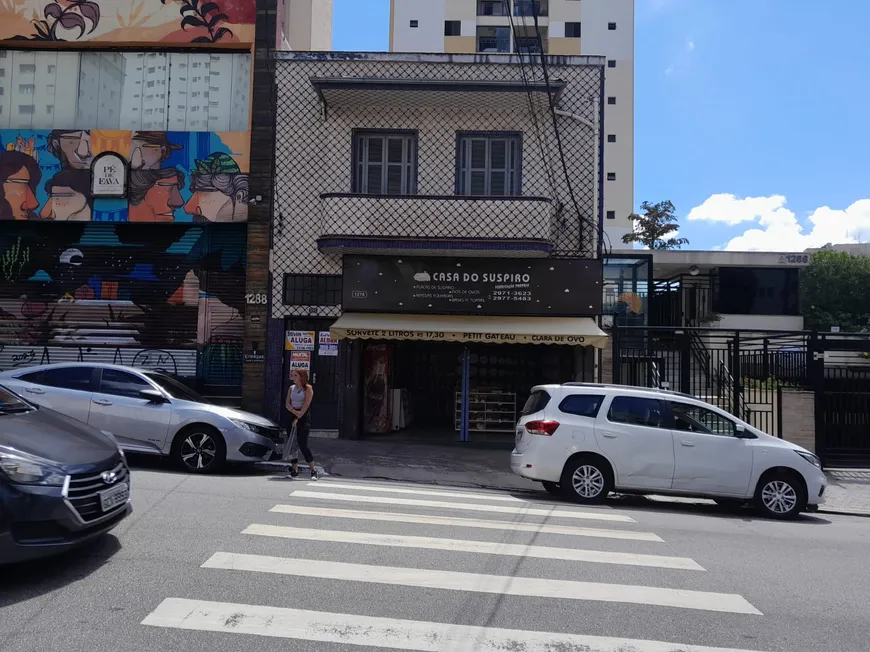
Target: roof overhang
x=573 y=331
x=667 y=264
x=481 y=94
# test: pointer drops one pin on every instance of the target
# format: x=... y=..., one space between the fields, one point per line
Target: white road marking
x=380 y=488
x=474 y=507
x=457 y=521
x=480 y=583
x=478 y=547
x=389 y=633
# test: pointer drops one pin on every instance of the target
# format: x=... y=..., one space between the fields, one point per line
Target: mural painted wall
x=174 y=176
x=136 y=21
x=168 y=294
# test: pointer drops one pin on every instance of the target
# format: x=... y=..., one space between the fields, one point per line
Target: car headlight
x=812 y=459
x=244 y=425
x=27 y=469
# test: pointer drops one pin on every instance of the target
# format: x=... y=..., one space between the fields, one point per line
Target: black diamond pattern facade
x=325 y=101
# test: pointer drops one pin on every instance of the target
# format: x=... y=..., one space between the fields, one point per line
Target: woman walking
x=298 y=403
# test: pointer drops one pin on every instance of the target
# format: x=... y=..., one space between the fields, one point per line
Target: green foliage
x=656 y=227
x=834 y=292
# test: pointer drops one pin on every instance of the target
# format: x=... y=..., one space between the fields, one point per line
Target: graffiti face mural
x=174 y=176
x=68 y=197
x=154 y=21
x=220 y=191
x=20 y=176
x=72 y=148
x=155 y=194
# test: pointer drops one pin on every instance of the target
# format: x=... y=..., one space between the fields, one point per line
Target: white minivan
x=584 y=440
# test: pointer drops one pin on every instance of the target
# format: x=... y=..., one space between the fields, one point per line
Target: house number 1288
x=256 y=299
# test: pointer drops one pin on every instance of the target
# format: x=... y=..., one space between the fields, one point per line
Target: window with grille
x=386 y=163
x=489 y=164
x=312 y=290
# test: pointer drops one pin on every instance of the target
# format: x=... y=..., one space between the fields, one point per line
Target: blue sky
x=752 y=116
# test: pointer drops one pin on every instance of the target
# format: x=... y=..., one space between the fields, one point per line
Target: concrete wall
x=428 y=36
x=760 y=322
x=308 y=24
x=799 y=418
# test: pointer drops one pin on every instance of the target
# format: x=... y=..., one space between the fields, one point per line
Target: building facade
x=153 y=275
x=567 y=27
x=307 y=25
x=426 y=257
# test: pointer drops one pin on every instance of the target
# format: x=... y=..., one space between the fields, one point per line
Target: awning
x=577 y=331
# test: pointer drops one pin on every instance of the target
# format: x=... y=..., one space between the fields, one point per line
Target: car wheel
x=780 y=496
x=552 y=488
x=200 y=449
x=586 y=480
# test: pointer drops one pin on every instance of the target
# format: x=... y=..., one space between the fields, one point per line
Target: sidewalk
x=488 y=468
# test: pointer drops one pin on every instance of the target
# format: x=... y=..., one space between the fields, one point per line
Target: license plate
x=114 y=497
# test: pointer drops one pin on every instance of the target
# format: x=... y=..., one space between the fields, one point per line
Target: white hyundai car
x=584 y=441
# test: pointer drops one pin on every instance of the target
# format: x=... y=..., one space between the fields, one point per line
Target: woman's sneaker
x=314 y=475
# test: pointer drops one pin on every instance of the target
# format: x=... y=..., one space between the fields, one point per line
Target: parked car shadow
x=159 y=464
x=32 y=579
x=697 y=506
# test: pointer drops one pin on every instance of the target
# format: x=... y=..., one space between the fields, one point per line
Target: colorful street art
x=122 y=291
x=174 y=176
x=223 y=22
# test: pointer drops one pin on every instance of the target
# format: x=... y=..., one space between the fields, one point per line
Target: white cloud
x=778 y=229
x=682 y=60
x=730 y=210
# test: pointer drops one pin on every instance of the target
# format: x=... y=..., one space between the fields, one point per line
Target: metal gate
x=740 y=372
x=842 y=384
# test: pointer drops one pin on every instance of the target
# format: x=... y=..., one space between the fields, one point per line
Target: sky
x=751 y=116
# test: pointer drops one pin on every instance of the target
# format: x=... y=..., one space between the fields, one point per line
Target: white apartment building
x=568 y=27
x=307 y=25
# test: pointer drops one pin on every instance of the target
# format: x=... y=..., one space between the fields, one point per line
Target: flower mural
x=142 y=21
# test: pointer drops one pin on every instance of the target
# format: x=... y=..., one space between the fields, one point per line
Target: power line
x=596 y=225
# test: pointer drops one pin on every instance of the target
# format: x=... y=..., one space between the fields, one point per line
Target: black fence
x=746 y=373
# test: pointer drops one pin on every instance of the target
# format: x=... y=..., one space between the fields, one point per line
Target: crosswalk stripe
x=381 y=488
x=458 y=521
x=480 y=583
x=388 y=633
x=478 y=547
x=502 y=509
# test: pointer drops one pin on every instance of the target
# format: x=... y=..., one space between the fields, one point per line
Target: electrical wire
x=602 y=235
x=543 y=145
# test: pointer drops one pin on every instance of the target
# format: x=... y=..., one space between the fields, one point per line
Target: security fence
x=759 y=376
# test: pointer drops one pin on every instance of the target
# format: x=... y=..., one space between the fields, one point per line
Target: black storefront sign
x=469 y=286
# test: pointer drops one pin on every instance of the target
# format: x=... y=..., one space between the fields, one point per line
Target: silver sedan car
x=149 y=412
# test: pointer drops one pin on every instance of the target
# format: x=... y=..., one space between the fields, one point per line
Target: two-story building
x=435 y=237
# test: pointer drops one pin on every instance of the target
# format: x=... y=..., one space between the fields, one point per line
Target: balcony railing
x=492 y=8
x=351 y=222
x=493 y=44
x=530 y=8
x=529 y=45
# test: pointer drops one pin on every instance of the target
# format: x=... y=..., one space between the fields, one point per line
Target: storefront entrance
x=308 y=346
x=414 y=389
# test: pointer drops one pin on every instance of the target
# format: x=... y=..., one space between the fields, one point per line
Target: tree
x=653 y=228
x=834 y=292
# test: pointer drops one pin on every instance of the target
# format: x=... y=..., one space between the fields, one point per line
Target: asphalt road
x=206 y=563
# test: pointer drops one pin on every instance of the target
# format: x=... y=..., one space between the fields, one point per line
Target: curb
x=861 y=513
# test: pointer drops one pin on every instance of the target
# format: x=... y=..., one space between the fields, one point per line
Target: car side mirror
x=153 y=396
x=741 y=433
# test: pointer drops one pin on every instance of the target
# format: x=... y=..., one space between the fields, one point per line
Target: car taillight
x=542 y=427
